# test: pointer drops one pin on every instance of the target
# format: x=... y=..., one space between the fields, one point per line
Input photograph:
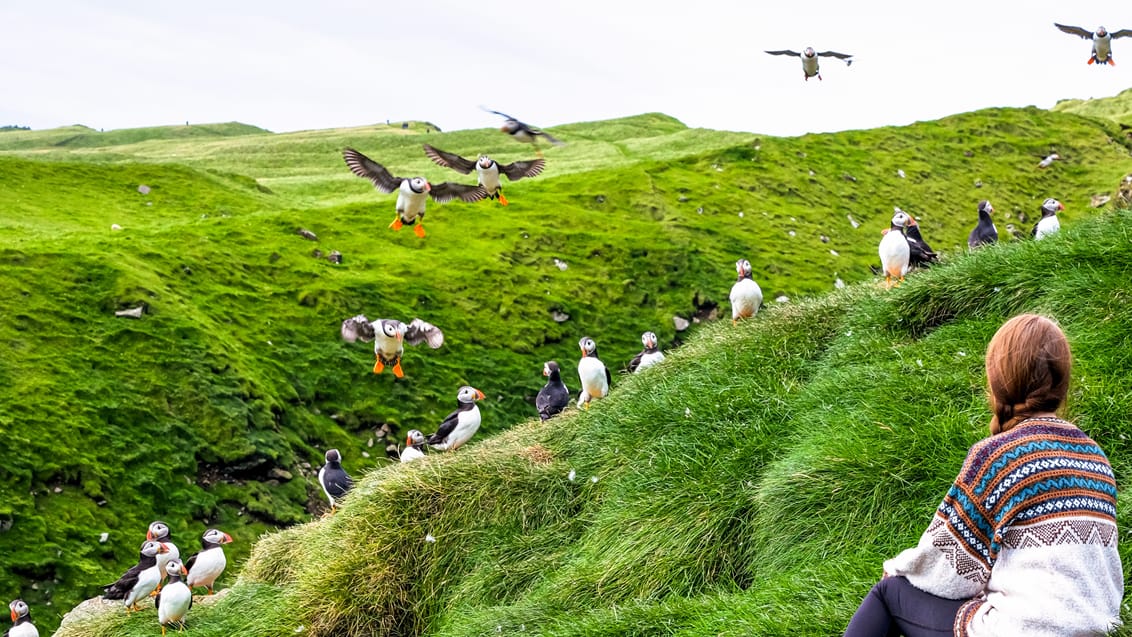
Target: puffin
x=649 y=356
x=487 y=169
x=894 y=251
x=1048 y=160
x=746 y=295
x=593 y=374
x=158 y=531
x=984 y=232
x=21 y=620
x=524 y=133
x=389 y=336
x=460 y=425
x=1102 y=42
x=920 y=253
x=175 y=599
x=1048 y=224
x=412 y=192
x=205 y=566
x=810 y=60
x=140 y=580
x=333 y=478
x=414 y=446
x=554 y=396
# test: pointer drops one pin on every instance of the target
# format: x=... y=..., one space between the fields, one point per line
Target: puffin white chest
x=26 y=629
x=1102 y=47
x=387 y=347
x=591 y=373
x=650 y=359
x=1047 y=226
x=894 y=253
x=810 y=65
x=467 y=423
x=411 y=453
x=410 y=204
x=175 y=601
x=164 y=558
x=207 y=567
x=746 y=298
x=146 y=584
x=489 y=178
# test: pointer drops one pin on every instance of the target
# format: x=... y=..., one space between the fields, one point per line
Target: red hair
x=1028 y=363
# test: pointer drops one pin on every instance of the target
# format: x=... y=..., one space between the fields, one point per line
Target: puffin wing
x=848 y=58
x=636 y=362
x=1085 y=33
x=357 y=328
x=424 y=332
x=121 y=588
x=520 y=169
x=449 y=160
x=608 y=379
x=785 y=52
x=363 y=166
x=192 y=560
x=1123 y=33
x=447 y=191
x=550 y=138
x=446 y=428
x=542 y=402
x=504 y=115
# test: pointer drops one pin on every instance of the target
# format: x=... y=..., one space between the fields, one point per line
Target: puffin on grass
x=412 y=192
x=594 y=375
x=140 y=579
x=525 y=133
x=333 y=478
x=810 y=67
x=554 y=396
x=487 y=169
x=389 y=336
x=21 y=620
x=175 y=600
x=459 y=426
x=894 y=251
x=746 y=295
x=984 y=232
x=1102 y=42
x=203 y=567
x=919 y=252
x=1049 y=223
x=414 y=446
x=649 y=356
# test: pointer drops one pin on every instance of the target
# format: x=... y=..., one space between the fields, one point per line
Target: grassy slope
x=1117 y=108
x=236 y=370
x=750 y=485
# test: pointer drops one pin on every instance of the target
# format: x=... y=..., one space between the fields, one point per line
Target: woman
x=1024 y=543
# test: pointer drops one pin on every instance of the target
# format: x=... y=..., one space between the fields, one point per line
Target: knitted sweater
x=1028 y=533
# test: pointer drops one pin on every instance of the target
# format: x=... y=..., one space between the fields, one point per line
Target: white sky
x=286 y=65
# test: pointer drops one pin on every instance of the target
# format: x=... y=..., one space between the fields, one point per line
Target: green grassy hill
x=214 y=408
x=1117 y=108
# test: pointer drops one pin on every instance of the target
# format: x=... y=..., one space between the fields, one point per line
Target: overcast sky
x=286 y=65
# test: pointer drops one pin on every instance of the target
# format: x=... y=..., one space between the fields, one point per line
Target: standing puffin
x=894 y=251
x=388 y=336
x=487 y=169
x=810 y=60
x=147 y=563
x=461 y=424
x=649 y=356
x=412 y=192
x=1102 y=42
x=554 y=396
x=746 y=295
x=175 y=599
x=333 y=478
x=1048 y=224
x=524 y=133
x=21 y=620
x=414 y=446
x=206 y=565
x=984 y=232
x=593 y=374
x=158 y=531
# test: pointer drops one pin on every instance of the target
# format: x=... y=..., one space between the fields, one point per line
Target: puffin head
x=485 y=162
x=985 y=206
x=414 y=438
x=510 y=126
x=332 y=455
x=393 y=328
x=174 y=568
x=549 y=368
x=216 y=536
x=809 y=52
x=19 y=609
x=151 y=548
x=900 y=219
x=468 y=394
x=648 y=339
x=158 y=531
x=419 y=185
x=1052 y=205
x=1101 y=32
x=743 y=267
x=589 y=347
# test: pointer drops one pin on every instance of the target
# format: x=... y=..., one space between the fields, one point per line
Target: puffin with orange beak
x=414 y=446
x=460 y=425
x=412 y=192
x=487 y=169
x=1048 y=224
x=175 y=601
x=1102 y=41
x=525 y=133
x=206 y=565
x=389 y=336
x=554 y=396
x=21 y=620
x=158 y=531
x=594 y=375
x=649 y=356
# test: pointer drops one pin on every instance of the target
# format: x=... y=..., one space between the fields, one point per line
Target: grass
x=214 y=409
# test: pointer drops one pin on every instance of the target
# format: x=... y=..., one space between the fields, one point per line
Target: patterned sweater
x=1028 y=533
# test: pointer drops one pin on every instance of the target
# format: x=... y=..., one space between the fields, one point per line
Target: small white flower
x=687 y=412
x=919 y=362
x=570 y=476
x=428 y=538
x=593 y=479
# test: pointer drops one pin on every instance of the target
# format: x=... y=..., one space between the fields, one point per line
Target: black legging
x=894 y=607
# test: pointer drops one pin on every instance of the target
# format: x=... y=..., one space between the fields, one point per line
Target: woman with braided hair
x=1025 y=542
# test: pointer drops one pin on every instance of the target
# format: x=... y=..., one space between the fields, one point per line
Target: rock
x=900 y=174
x=334 y=256
x=103 y=538
x=848 y=177
x=782 y=299
x=143 y=189
x=834 y=252
x=680 y=323
x=1099 y=200
x=853 y=222
x=1124 y=191
x=824 y=238
x=792 y=233
x=306 y=234
x=968 y=153
x=740 y=214
x=978 y=183
x=115 y=226
x=132 y=312
x=279 y=473
x=838 y=283
x=559 y=316
x=560 y=264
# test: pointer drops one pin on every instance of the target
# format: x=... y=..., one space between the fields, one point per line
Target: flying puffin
x=389 y=336
x=920 y=253
x=414 y=446
x=593 y=373
x=746 y=295
x=1102 y=42
x=984 y=232
x=412 y=192
x=461 y=424
x=1048 y=224
x=487 y=169
x=158 y=531
x=554 y=396
x=21 y=620
x=894 y=251
x=333 y=478
x=175 y=599
x=524 y=133
x=141 y=579
x=810 y=60
x=205 y=566
x=649 y=356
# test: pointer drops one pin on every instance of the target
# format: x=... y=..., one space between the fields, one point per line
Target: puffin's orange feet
x=378 y=367
x=396 y=225
x=502 y=199
x=419 y=230
x=1111 y=62
x=1091 y=60
x=397 y=370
